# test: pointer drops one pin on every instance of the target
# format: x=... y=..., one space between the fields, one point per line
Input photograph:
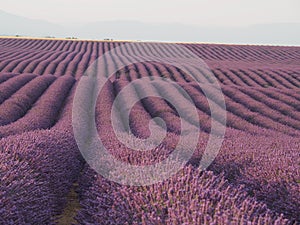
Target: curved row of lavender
x=37 y=170
x=6 y=76
x=18 y=104
x=261 y=88
x=11 y=86
x=43 y=114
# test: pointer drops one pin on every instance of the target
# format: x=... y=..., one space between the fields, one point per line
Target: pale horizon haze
x=229 y=13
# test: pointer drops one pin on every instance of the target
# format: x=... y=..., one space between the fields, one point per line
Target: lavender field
x=255 y=178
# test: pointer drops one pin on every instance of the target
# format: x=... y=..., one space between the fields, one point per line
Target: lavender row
x=36 y=176
x=44 y=113
x=138 y=122
x=293 y=116
x=233 y=119
x=6 y=76
x=267 y=117
x=14 y=84
x=20 y=102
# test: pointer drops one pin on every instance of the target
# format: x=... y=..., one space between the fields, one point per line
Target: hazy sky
x=200 y=12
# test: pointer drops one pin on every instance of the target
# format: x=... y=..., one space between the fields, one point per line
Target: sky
x=222 y=13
